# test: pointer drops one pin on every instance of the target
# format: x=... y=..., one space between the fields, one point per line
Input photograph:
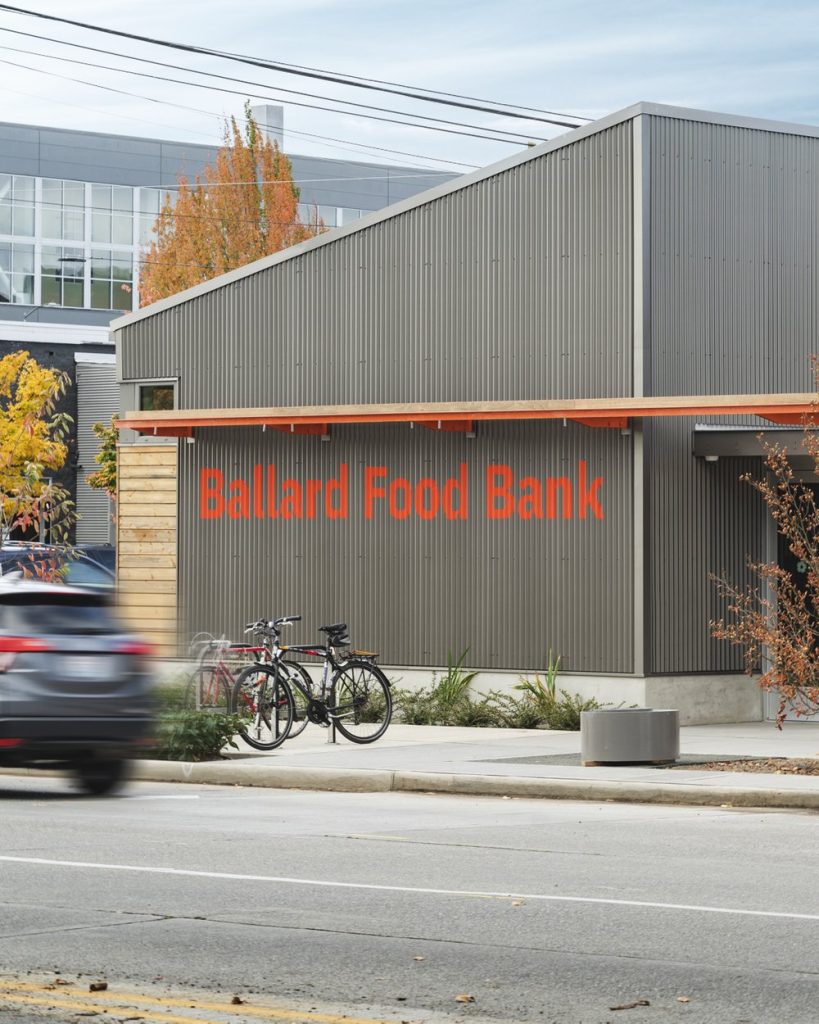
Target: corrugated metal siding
x=507 y=589
x=734 y=251
x=517 y=286
x=97 y=401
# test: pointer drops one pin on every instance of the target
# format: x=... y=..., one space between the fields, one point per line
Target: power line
x=225 y=78
x=291 y=69
x=312 y=106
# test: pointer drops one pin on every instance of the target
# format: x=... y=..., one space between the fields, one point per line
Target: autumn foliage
x=32 y=446
x=775 y=621
x=243 y=207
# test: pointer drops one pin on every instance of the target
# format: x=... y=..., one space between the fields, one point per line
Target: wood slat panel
x=148 y=536
x=147 y=586
x=145 y=613
x=153 y=455
x=144 y=548
x=147 y=472
x=146 y=543
x=136 y=560
x=139 y=571
x=130 y=599
x=147 y=522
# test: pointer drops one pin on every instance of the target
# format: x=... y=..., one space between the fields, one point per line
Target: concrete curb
x=360 y=780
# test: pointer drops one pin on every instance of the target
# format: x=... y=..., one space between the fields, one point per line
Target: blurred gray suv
x=75 y=688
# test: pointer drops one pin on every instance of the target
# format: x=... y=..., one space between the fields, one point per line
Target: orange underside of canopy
x=611 y=413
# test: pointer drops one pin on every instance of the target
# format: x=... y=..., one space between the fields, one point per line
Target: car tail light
x=22 y=644
x=10 y=743
x=137 y=648
x=11 y=646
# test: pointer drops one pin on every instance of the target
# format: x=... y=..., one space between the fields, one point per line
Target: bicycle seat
x=336 y=627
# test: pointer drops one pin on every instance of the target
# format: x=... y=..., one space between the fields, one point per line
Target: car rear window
x=54 y=617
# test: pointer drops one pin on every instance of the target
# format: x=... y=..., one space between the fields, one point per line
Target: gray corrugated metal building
x=659 y=252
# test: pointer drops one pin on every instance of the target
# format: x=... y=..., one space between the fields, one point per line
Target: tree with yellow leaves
x=245 y=208
x=32 y=443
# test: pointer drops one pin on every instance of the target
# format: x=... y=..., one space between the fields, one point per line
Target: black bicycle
x=354 y=694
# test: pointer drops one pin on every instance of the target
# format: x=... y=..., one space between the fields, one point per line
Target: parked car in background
x=89 y=566
x=75 y=688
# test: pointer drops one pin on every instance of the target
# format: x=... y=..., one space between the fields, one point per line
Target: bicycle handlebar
x=271 y=625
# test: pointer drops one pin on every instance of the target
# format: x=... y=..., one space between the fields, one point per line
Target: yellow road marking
x=123 y=1000
x=75 y=1004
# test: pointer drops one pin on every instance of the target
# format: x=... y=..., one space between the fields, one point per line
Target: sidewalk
x=517 y=763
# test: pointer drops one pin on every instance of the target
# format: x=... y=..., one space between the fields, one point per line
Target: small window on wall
x=156 y=397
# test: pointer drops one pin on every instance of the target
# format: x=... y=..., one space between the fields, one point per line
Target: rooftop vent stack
x=270 y=119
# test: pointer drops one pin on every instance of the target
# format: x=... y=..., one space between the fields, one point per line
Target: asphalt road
x=389 y=906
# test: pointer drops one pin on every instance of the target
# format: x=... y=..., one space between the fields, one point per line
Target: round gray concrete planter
x=629 y=736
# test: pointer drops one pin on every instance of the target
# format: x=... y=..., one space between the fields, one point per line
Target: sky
x=580 y=58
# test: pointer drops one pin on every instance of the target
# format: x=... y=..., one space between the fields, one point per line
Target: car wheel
x=98 y=777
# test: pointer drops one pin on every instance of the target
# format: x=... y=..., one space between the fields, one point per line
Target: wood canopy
x=611 y=413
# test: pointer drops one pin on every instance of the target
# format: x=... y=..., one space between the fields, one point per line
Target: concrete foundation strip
x=358 y=780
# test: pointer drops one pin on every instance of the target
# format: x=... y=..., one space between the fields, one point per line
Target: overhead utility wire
x=224 y=78
x=437 y=92
x=285 y=68
x=312 y=106
x=230 y=78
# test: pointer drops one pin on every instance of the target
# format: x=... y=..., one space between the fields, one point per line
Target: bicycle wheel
x=208 y=689
x=360 y=701
x=264 y=705
x=301 y=686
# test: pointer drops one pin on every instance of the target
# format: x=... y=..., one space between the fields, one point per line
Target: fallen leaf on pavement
x=464 y=998
x=419 y=958
x=236 y=1001
x=518 y=903
x=631 y=1006
x=98 y=986
x=683 y=999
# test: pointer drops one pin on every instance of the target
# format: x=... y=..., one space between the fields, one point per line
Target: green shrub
x=449 y=702
x=556 y=709
x=184 y=734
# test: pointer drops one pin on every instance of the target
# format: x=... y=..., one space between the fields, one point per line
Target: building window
x=112 y=279
x=150 y=203
x=16 y=205
x=315 y=216
x=112 y=214
x=63 y=272
x=348 y=216
x=63 y=210
x=16 y=272
x=156 y=397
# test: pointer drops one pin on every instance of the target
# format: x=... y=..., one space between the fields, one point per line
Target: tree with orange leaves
x=245 y=208
x=775 y=621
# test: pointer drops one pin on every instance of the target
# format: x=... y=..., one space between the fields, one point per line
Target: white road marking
x=322 y=883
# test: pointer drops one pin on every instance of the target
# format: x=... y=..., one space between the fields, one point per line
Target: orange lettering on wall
x=339 y=490
x=499 y=490
x=291 y=500
x=587 y=496
x=400 y=486
x=238 y=506
x=371 y=490
x=530 y=505
x=313 y=489
x=553 y=485
x=211 y=498
x=455 y=499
